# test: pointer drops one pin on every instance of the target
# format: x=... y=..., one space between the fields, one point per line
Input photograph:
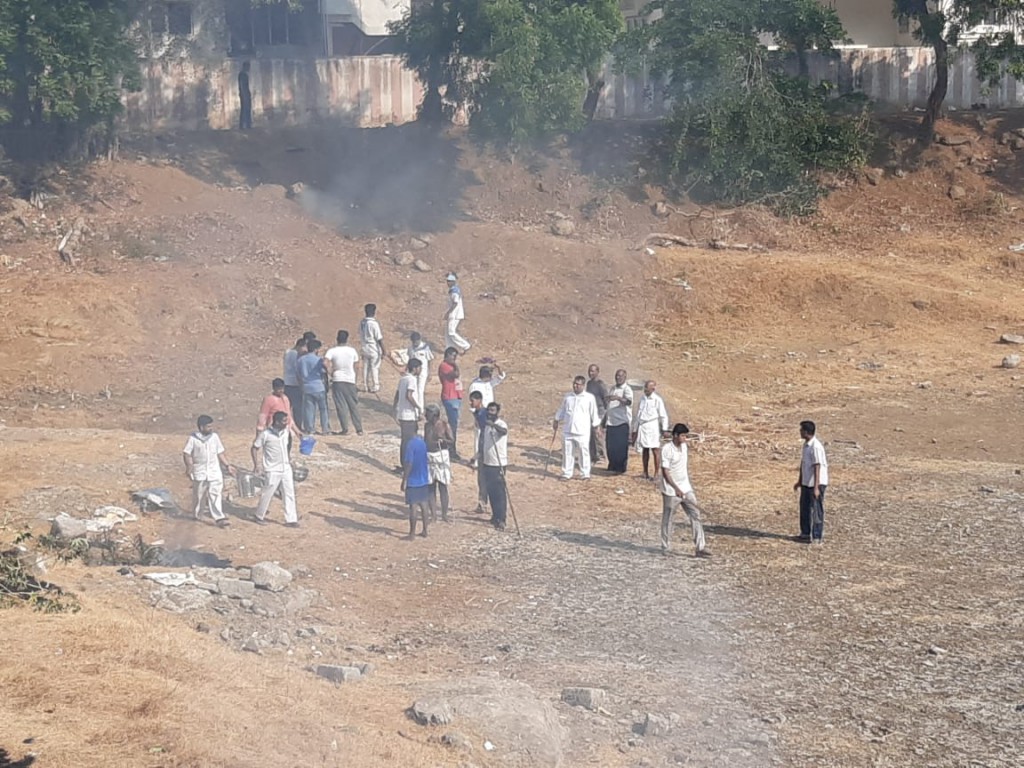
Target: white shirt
x=494 y=451
x=814 y=453
x=486 y=388
x=620 y=413
x=205 y=450
x=291 y=374
x=652 y=408
x=455 y=303
x=408 y=387
x=369 y=332
x=275 y=450
x=343 y=363
x=674 y=460
x=578 y=414
x=423 y=353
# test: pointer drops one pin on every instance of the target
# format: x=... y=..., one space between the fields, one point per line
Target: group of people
x=598 y=423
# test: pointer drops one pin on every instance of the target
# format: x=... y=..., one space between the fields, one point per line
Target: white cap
x=452 y=277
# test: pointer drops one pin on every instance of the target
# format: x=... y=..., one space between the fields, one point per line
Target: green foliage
x=519 y=69
x=64 y=64
x=19 y=587
x=744 y=128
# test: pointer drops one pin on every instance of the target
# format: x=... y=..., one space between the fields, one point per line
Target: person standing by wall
x=455 y=314
x=244 y=99
x=342 y=363
x=451 y=393
x=372 y=341
x=205 y=464
x=812 y=483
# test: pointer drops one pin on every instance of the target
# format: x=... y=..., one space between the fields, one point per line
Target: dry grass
x=111 y=688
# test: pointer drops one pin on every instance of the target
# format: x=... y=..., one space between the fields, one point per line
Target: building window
x=179 y=19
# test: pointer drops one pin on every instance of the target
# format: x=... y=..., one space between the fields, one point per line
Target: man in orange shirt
x=272 y=403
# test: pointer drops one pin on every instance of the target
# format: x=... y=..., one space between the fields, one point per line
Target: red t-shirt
x=451 y=387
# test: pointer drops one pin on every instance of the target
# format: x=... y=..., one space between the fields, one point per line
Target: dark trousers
x=294 y=395
x=451 y=409
x=617 y=439
x=409 y=429
x=494 y=482
x=245 y=116
x=346 y=399
x=812 y=512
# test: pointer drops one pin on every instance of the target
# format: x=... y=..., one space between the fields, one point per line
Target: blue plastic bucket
x=306 y=446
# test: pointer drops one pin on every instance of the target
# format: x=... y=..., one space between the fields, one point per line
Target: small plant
x=19 y=587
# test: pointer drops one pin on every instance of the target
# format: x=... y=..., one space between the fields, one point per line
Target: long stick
x=511 y=508
x=551 y=448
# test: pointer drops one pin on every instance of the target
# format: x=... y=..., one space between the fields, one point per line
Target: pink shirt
x=271 y=405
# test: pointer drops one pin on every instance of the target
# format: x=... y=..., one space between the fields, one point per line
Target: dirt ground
x=896 y=643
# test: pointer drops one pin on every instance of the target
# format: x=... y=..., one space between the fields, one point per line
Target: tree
x=521 y=69
x=744 y=127
x=65 y=64
x=943 y=25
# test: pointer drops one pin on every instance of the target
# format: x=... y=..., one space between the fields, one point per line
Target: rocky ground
x=577 y=643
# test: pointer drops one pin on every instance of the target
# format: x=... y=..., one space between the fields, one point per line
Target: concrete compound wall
x=371 y=91
x=364 y=91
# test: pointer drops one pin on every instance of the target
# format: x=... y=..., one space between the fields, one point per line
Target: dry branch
x=663 y=239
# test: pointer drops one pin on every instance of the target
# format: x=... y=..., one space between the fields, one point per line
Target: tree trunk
x=939 y=90
x=802 y=63
x=595 y=84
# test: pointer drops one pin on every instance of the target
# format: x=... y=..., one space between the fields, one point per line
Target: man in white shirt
x=484 y=384
x=618 y=423
x=578 y=415
x=493 y=460
x=676 y=490
x=342 y=365
x=205 y=464
x=421 y=350
x=371 y=338
x=454 y=315
x=270 y=458
x=812 y=483
x=407 y=405
x=292 y=385
x=651 y=423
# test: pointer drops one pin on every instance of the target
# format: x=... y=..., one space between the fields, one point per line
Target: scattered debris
x=663 y=240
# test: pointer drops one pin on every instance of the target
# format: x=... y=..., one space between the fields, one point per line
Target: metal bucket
x=249 y=483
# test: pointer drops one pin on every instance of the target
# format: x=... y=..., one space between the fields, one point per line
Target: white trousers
x=371 y=369
x=421 y=384
x=284 y=480
x=211 y=494
x=571 y=444
x=452 y=337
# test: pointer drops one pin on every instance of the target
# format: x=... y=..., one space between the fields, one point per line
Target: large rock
x=589 y=698
x=421 y=265
x=432 y=711
x=417 y=244
x=236 y=588
x=563 y=227
x=403 y=259
x=270 y=576
x=956 y=192
x=1011 y=338
x=338 y=673
x=524 y=729
x=65 y=527
x=874 y=176
x=655 y=724
x=1011 y=361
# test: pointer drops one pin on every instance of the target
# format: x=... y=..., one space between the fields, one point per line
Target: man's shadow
x=7 y=762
